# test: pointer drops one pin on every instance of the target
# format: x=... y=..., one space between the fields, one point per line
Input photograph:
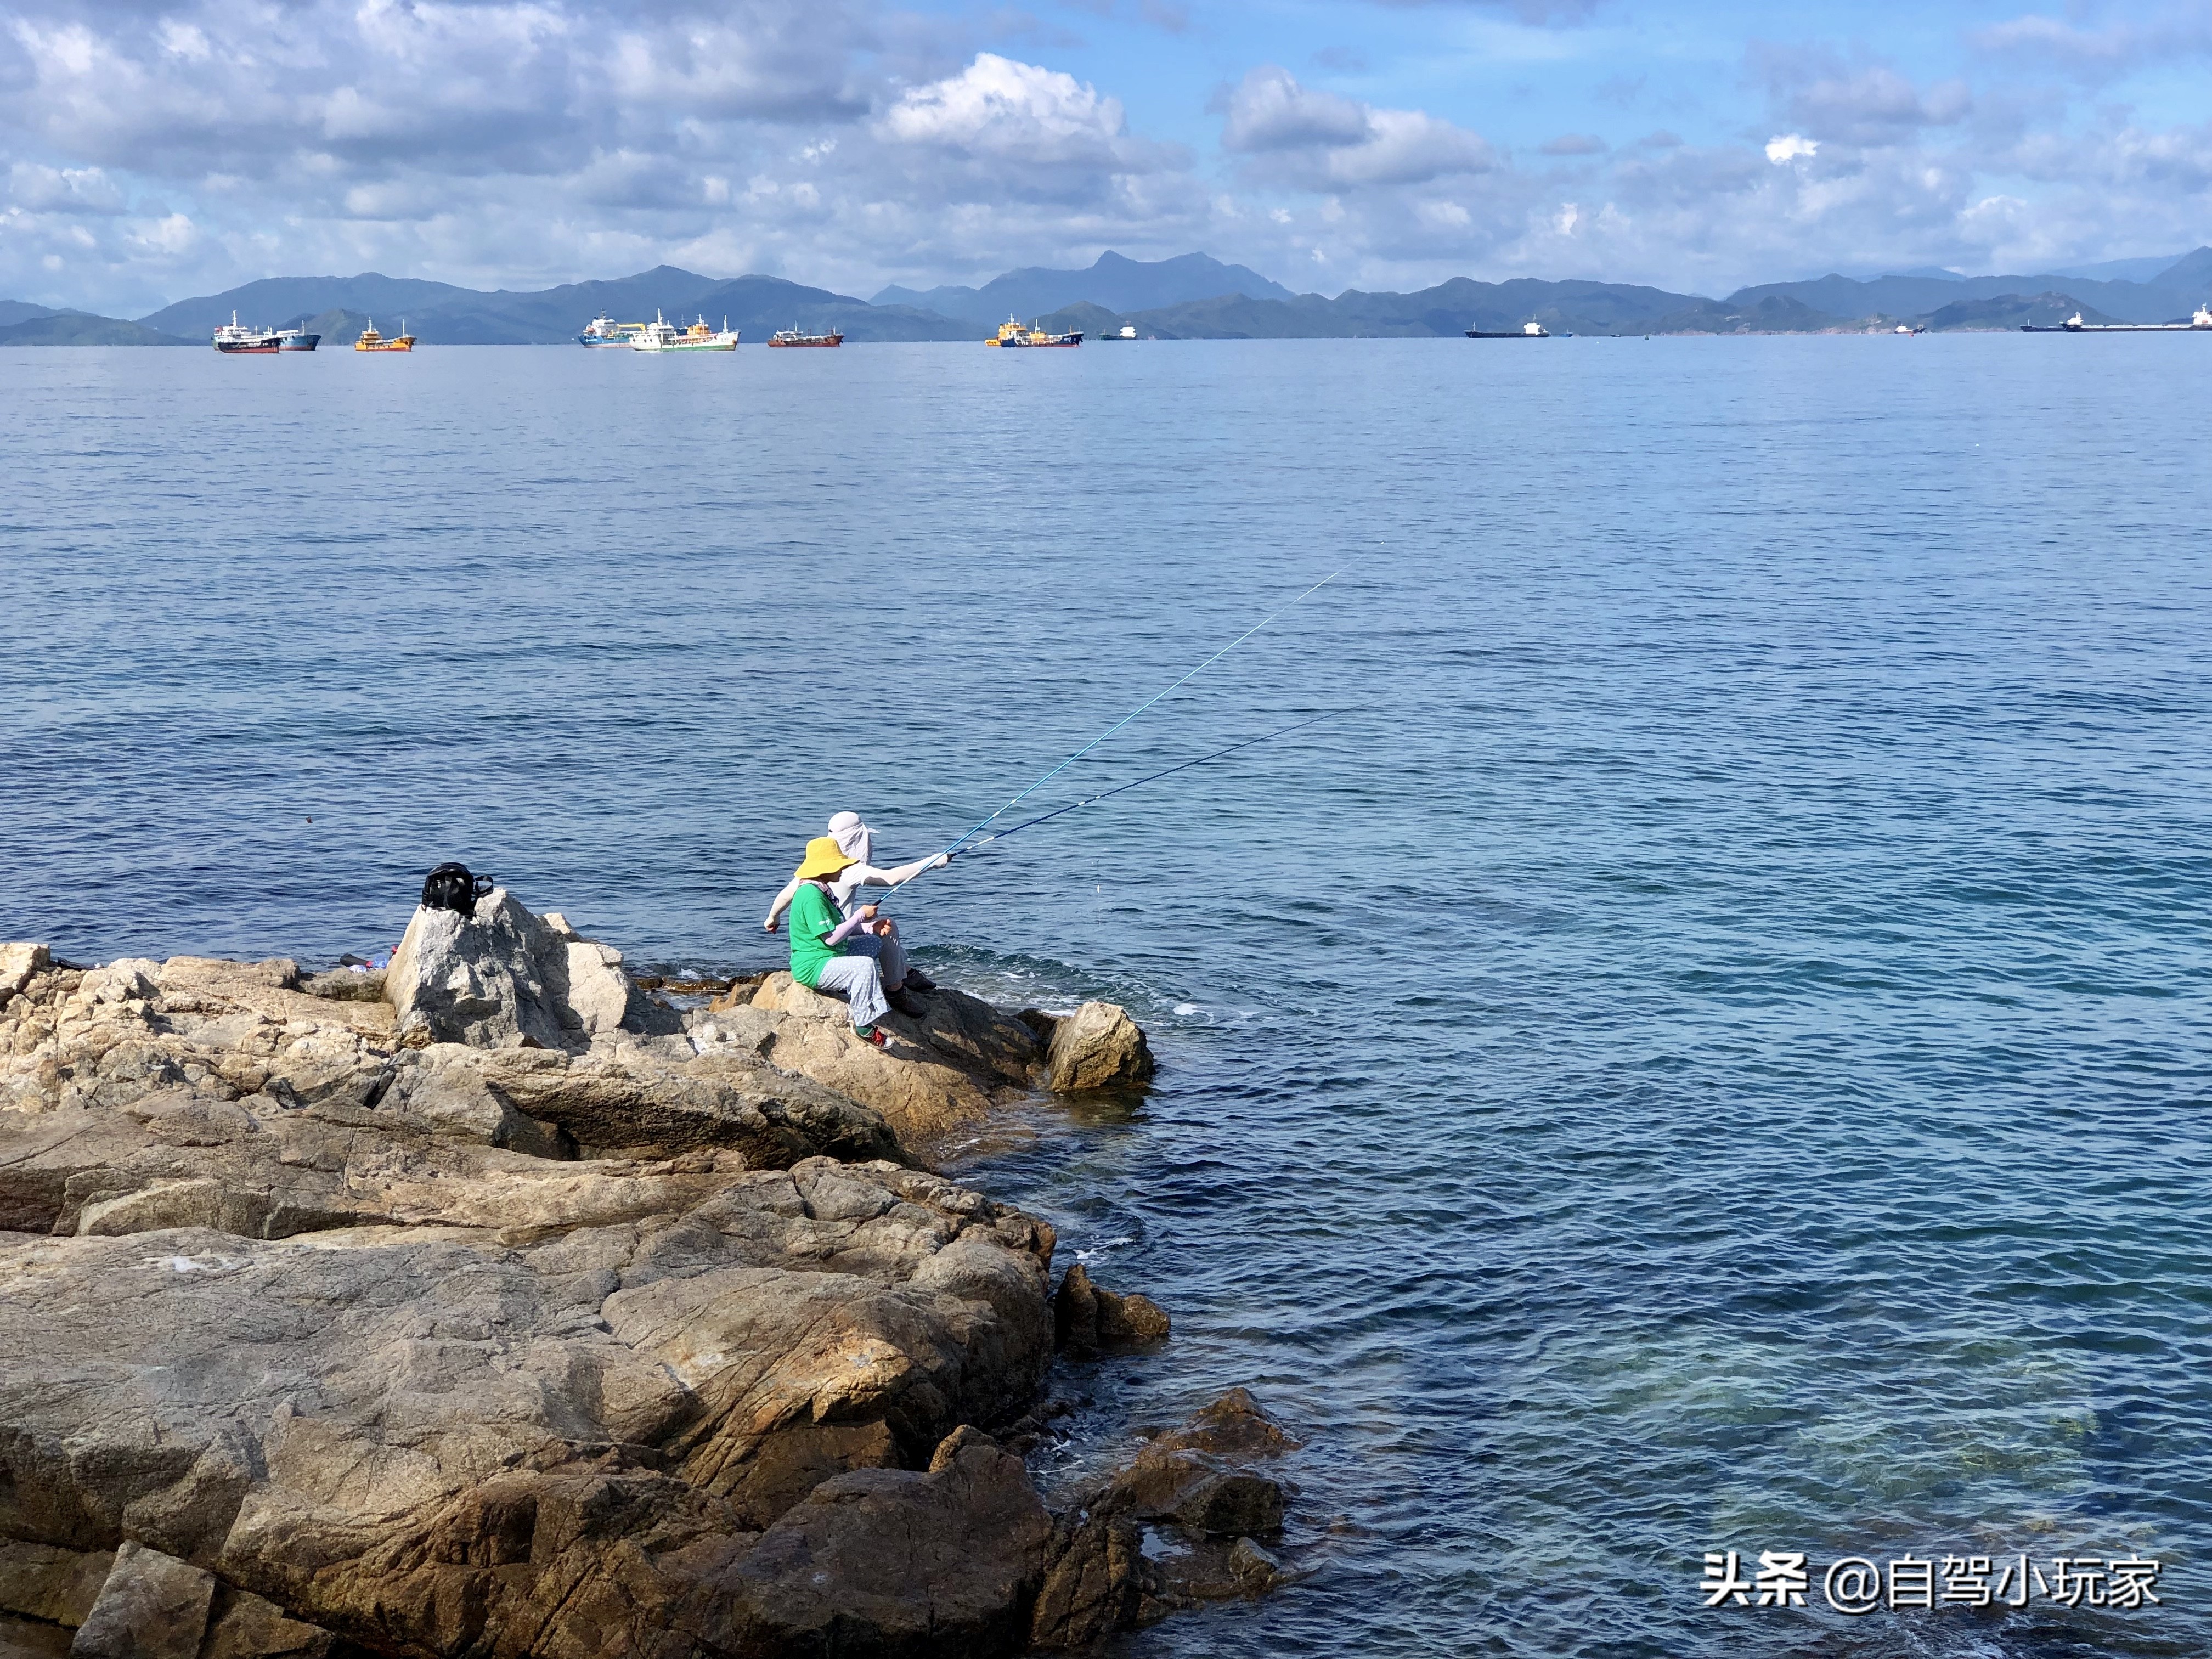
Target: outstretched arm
x=782 y=903
x=870 y=876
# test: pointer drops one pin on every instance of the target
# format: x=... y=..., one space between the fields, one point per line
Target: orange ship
x=371 y=341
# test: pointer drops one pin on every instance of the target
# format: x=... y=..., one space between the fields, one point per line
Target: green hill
x=77 y=328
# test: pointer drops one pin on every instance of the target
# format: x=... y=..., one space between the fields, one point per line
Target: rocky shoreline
x=496 y=1306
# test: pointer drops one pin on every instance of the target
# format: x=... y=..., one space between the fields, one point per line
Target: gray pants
x=869 y=967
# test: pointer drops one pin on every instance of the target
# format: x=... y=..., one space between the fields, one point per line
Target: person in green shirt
x=838 y=954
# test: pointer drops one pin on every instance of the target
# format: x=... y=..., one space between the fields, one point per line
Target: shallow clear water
x=1709 y=1052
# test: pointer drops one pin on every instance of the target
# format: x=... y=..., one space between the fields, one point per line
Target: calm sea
x=1708 y=1051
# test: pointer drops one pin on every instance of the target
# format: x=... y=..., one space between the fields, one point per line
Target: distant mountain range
x=1191 y=297
x=1114 y=284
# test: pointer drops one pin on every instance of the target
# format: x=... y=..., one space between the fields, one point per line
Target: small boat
x=297 y=339
x=1011 y=333
x=235 y=339
x=604 y=330
x=660 y=335
x=1907 y=328
x=1526 y=332
x=795 y=336
x=370 y=340
x=2074 y=325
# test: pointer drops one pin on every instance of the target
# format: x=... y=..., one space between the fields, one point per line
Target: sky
x=154 y=150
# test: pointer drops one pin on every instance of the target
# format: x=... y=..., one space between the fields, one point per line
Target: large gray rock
x=507 y=979
x=480 y=980
x=152 y=1607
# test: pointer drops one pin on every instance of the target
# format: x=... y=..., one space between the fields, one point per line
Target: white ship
x=238 y=338
x=660 y=335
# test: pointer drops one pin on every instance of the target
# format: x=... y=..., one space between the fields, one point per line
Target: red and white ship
x=234 y=337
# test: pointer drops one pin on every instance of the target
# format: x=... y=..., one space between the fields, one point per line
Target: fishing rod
x=1168 y=771
x=984 y=823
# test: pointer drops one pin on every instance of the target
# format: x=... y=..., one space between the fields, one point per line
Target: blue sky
x=154 y=150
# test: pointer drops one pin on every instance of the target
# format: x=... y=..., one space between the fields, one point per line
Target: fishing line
x=984 y=823
x=1168 y=771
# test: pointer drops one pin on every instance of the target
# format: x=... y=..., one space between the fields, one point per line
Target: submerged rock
x=1192 y=1480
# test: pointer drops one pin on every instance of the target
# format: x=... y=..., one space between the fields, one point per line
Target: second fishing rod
x=983 y=824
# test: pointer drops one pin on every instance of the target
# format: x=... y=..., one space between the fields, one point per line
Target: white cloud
x=997 y=106
x=1319 y=140
x=1791 y=147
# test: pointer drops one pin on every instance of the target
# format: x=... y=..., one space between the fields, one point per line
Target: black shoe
x=906 y=1003
x=918 y=981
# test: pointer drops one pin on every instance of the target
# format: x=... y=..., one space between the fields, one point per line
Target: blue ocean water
x=1708 y=1051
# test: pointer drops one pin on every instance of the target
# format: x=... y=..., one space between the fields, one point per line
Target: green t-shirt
x=813 y=919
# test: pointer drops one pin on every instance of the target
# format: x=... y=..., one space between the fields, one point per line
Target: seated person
x=853 y=957
x=857 y=841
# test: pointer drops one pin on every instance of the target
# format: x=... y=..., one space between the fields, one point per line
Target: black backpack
x=451 y=887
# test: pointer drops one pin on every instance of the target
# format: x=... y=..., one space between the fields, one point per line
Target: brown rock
x=1098 y=1047
x=1095 y=1581
x=1195 y=1475
x=1088 y=1317
x=22 y=1639
x=891 y=1561
x=245 y=1627
x=59 y=1586
x=927 y=1092
x=344 y=985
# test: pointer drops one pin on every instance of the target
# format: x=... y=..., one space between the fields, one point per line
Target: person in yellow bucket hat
x=851 y=956
x=857 y=841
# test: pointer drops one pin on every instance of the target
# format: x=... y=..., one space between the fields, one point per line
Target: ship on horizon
x=370 y=340
x=1011 y=333
x=2199 y=323
x=237 y=339
x=1526 y=332
x=795 y=335
x=661 y=335
x=603 y=331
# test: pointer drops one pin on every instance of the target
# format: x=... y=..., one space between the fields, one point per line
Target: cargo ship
x=659 y=335
x=370 y=340
x=235 y=339
x=1011 y=333
x=297 y=339
x=795 y=337
x=1526 y=332
x=604 y=330
x=2074 y=325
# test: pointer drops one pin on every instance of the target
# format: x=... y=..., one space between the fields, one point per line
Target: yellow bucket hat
x=823 y=858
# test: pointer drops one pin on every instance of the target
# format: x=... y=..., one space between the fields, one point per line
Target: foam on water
x=1711 y=1054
